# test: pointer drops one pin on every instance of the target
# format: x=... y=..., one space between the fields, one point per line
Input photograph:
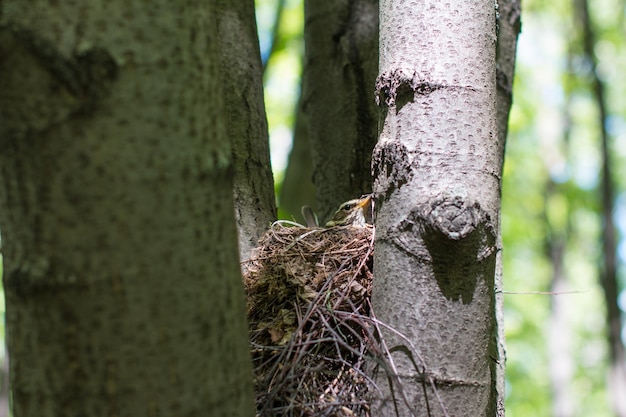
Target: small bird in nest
x=350 y=213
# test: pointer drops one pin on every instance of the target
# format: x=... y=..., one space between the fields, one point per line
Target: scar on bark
x=396 y=88
x=391 y=168
x=459 y=238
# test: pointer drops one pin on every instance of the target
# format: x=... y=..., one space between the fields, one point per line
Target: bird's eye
x=347 y=207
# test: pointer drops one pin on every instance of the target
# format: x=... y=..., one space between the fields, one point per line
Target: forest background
x=552 y=214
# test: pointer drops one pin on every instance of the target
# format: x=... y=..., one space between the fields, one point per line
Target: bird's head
x=351 y=213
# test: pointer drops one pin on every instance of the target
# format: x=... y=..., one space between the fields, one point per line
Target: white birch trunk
x=437 y=179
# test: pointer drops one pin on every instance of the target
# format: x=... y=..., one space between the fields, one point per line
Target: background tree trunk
x=298 y=189
x=557 y=218
x=242 y=71
x=341 y=59
x=437 y=170
x=561 y=365
x=509 y=25
x=118 y=233
x=608 y=267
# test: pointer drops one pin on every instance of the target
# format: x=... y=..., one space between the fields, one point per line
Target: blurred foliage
x=554 y=137
x=282 y=53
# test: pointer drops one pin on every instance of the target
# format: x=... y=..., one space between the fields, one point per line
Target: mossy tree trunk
x=119 y=243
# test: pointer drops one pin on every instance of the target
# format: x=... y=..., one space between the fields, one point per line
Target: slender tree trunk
x=298 y=189
x=242 y=72
x=276 y=30
x=608 y=269
x=437 y=170
x=4 y=391
x=338 y=97
x=509 y=25
x=561 y=364
x=119 y=244
x=558 y=232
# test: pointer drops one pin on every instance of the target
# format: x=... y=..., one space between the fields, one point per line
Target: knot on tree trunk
x=459 y=236
x=452 y=218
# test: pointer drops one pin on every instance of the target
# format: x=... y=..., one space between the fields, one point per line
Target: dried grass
x=308 y=293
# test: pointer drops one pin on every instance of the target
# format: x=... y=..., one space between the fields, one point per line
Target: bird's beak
x=365 y=201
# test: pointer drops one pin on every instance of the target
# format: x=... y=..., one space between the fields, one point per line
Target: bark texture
x=242 y=72
x=509 y=26
x=437 y=172
x=508 y=29
x=338 y=89
x=119 y=244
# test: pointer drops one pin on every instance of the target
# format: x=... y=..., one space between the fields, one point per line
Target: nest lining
x=308 y=293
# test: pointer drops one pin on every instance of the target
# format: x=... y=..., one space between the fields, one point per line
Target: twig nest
x=308 y=293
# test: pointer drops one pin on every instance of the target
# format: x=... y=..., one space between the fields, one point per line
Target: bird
x=351 y=213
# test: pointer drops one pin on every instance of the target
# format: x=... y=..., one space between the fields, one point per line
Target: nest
x=308 y=293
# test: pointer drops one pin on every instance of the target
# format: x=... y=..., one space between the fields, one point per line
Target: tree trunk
x=298 y=189
x=338 y=88
x=119 y=244
x=437 y=171
x=509 y=25
x=608 y=269
x=561 y=364
x=242 y=70
x=558 y=232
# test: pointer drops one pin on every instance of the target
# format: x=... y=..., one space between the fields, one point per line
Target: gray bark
x=242 y=70
x=338 y=97
x=509 y=26
x=437 y=172
x=119 y=244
